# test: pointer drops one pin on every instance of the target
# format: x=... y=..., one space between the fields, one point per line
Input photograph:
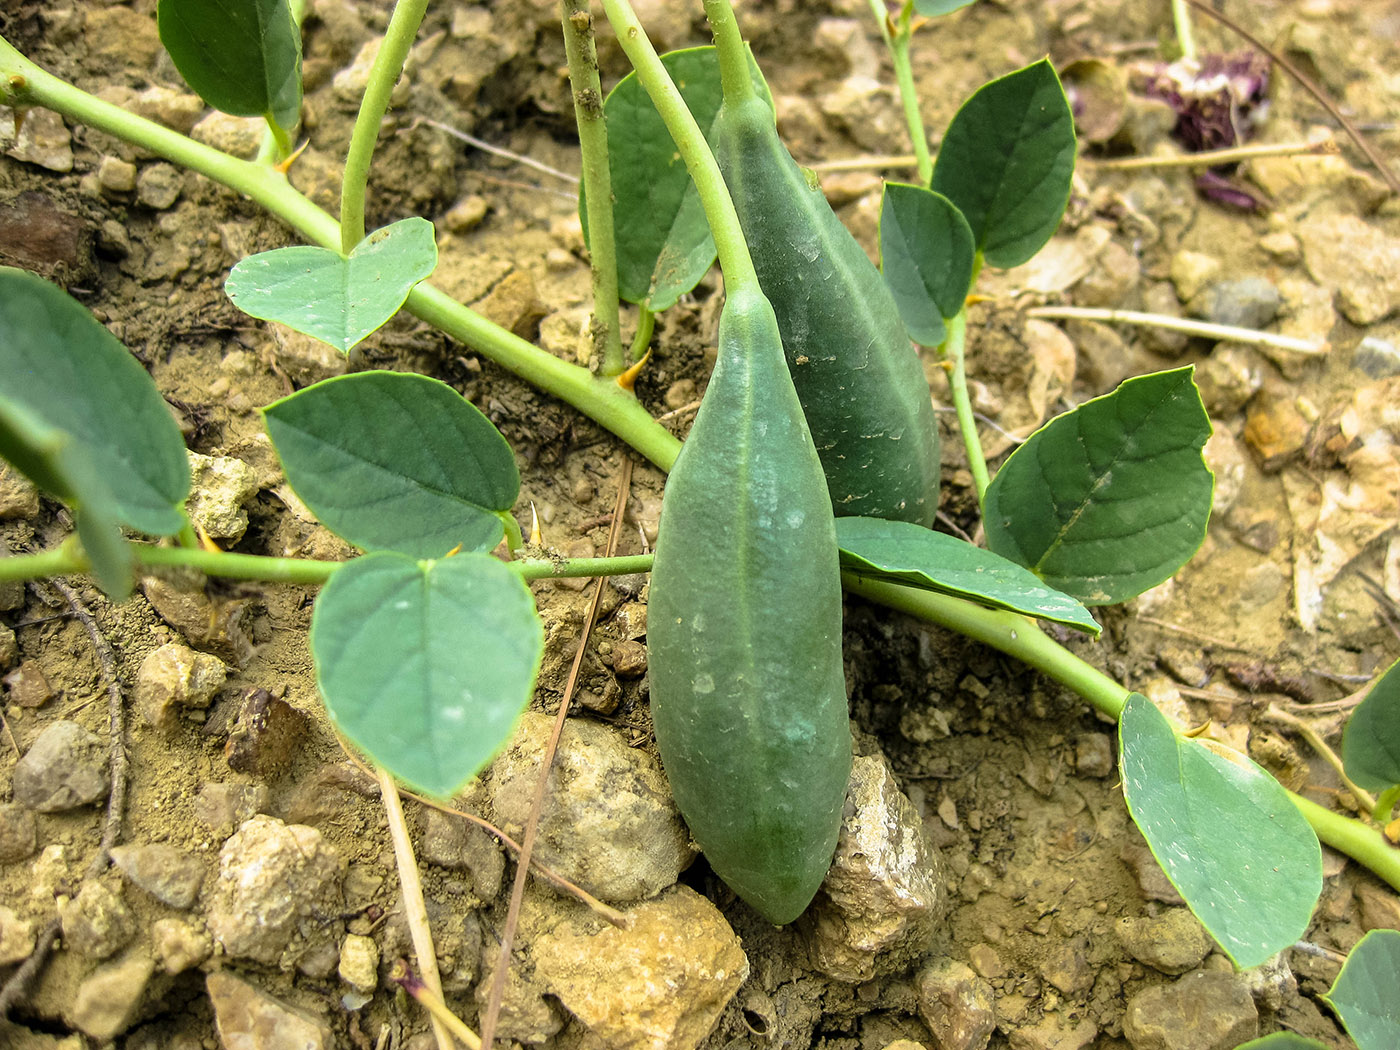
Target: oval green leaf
x=1007 y=160
x=908 y=553
x=664 y=245
x=394 y=461
x=68 y=374
x=330 y=297
x=241 y=56
x=934 y=8
x=1111 y=498
x=926 y=255
x=426 y=666
x=1363 y=994
x=1282 y=1041
x=1371 y=742
x=1225 y=832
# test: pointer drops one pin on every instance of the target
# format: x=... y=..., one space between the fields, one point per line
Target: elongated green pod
x=860 y=381
x=744 y=629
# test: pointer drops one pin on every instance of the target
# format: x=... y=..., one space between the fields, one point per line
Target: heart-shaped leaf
x=426 y=666
x=241 y=56
x=1110 y=499
x=85 y=401
x=330 y=297
x=926 y=255
x=1371 y=743
x=395 y=461
x=1007 y=160
x=1364 y=992
x=1225 y=832
x=911 y=554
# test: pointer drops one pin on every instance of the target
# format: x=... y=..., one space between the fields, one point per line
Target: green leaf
x=934 y=8
x=426 y=666
x=395 y=461
x=1282 y=1041
x=926 y=255
x=69 y=374
x=1225 y=832
x=664 y=245
x=61 y=466
x=1371 y=742
x=1007 y=160
x=1111 y=498
x=1363 y=994
x=330 y=297
x=241 y=56
x=911 y=554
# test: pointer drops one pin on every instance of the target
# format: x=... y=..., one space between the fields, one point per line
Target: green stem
x=733 y=250
x=953 y=350
x=734 y=77
x=1181 y=18
x=582 y=55
x=383 y=75
x=641 y=340
x=22 y=83
x=908 y=93
x=1358 y=841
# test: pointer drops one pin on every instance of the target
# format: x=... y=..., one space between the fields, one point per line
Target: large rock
x=884 y=896
x=659 y=985
x=609 y=821
x=1201 y=1011
x=957 y=1005
x=1360 y=261
x=96 y=923
x=278 y=889
x=247 y=1018
x=65 y=768
x=1172 y=943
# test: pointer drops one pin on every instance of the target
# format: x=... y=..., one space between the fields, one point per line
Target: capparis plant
x=1100 y=504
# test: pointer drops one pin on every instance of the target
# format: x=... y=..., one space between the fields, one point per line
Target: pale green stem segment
x=1181 y=18
x=68 y=559
x=734 y=76
x=734 y=258
x=582 y=55
x=897 y=37
x=22 y=83
x=646 y=324
x=953 y=352
x=1363 y=844
x=383 y=75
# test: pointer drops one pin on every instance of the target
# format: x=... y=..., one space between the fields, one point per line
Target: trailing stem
x=956 y=361
x=587 y=88
x=897 y=35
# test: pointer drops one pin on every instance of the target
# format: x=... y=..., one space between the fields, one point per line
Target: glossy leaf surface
x=241 y=56
x=903 y=552
x=1363 y=994
x=1111 y=498
x=1225 y=832
x=330 y=297
x=1007 y=160
x=1371 y=742
x=926 y=255
x=426 y=666
x=395 y=461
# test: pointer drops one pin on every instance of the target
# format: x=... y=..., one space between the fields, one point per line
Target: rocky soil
x=989 y=889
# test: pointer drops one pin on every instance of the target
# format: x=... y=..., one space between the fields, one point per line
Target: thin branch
x=1214 y=157
x=1204 y=329
x=1324 y=751
x=499 y=151
x=517 y=891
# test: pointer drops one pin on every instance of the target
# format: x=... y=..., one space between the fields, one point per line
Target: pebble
x=453 y=843
x=1191 y=272
x=1160 y=298
x=1275 y=427
x=515 y=304
x=609 y=824
x=1066 y=967
x=180 y=944
x=359 y=963
x=305 y=359
x=661 y=984
x=629 y=659
x=1152 y=881
x=247 y=1018
x=349 y=84
x=1228 y=460
x=44 y=140
x=38 y=235
x=159 y=185
x=166 y=872
x=467 y=214
x=277 y=885
x=177 y=110
x=1249 y=302
x=108 y=998
x=19 y=833
x=9 y=647
x=16 y=937
x=28 y=686
x=1093 y=755
x=1173 y=942
x=116 y=176
x=881 y=902
x=19 y=498
x=266 y=735
x=1200 y=1011
x=957 y=1006
x=1359 y=260
x=1378 y=358
x=176 y=677
x=66 y=767
x=220 y=627
x=96 y=923
x=1112 y=280
x=866 y=110
x=1380 y=909
x=1229 y=377
x=222 y=806
x=240 y=136
x=1054 y=1033
x=219 y=486
x=1282 y=247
